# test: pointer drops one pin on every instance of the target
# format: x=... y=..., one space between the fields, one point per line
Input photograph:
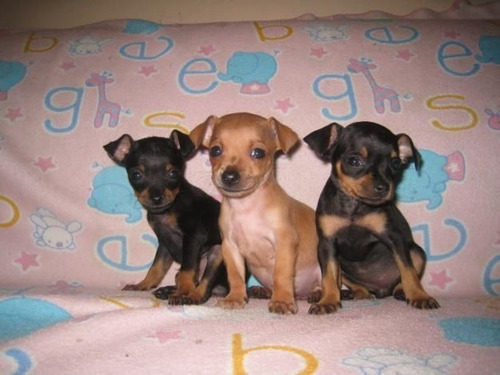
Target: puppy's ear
x=119 y=149
x=323 y=140
x=183 y=142
x=286 y=137
x=202 y=133
x=407 y=151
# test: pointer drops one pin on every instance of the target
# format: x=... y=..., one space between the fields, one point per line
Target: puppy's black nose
x=230 y=178
x=156 y=198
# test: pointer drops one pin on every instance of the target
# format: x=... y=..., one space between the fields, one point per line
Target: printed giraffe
x=380 y=94
x=105 y=107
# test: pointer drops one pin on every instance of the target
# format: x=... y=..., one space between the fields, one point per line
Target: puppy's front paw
x=280 y=307
x=419 y=301
x=231 y=303
x=323 y=308
x=426 y=303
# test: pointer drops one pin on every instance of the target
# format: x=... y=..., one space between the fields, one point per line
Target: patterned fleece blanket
x=73 y=234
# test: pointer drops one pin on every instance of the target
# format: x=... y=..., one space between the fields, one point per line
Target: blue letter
x=387 y=37
x=442 y=56
x=123 y=263
x=211 y=69
x=349 y=94
x=488 y=279
x=75 y=107
x=140 y=54
x=427 y=243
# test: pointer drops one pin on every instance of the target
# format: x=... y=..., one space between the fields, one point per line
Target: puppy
x=261 y=225
x=359 y=226
x=183 y=217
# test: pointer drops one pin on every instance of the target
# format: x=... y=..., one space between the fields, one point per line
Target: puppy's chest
x=332 y=224
x=253 y=235
x=168 y=232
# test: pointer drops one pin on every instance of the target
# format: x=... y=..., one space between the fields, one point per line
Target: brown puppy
x=261 y=225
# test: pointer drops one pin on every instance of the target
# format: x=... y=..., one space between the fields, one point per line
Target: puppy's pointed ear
x=183 y=142
x=286 y=137
x=119 y=149
x=202 y=134
x=407 y=151
x=322 y=141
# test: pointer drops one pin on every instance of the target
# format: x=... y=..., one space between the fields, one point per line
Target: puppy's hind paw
x=164 y=292
x=259 y=292
x=324 y=308
x=315 y=296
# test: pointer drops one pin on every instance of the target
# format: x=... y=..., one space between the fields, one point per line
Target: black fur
x=183 y=217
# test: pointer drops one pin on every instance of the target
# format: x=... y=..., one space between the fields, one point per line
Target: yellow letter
x=263 y=37
x=457 y=127
x=148 y=121
x=311 y=363
x=15 y=213
x=52 y=42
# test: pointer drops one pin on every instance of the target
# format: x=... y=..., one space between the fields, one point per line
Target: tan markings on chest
x=374 y=222
x=331 y=224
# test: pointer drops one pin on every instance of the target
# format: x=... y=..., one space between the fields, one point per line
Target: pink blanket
x=72 y=233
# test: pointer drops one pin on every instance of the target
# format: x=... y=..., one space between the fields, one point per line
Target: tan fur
x=410 y=283
x=260 y=224
x=154 y=276
x=374 y=222
x=185 y=283
x=331 y=224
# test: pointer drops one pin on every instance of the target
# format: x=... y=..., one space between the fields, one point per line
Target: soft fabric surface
x=134 y=334
x=72 y=233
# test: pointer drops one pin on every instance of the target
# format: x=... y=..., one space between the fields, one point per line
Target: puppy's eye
x=258 y=153
x=396 y=164
x=215 y=151
x=355 y=162
x=174 y=173
x=136 y=176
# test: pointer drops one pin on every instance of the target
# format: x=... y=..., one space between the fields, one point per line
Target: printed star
x=67 y=65
x=207 y=50
x=164 y=336
x=13 y=114
x=405 y=54
x=440 y=279
x=283 y=105
x=27 y=260
x=44 y=163
x=451 y=34
x=318 y=52
x=147 y=70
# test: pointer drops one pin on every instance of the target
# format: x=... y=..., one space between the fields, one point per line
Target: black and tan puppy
x=361 y=231
x=183 y=217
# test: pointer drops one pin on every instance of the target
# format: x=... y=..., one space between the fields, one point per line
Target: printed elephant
x=252 y=69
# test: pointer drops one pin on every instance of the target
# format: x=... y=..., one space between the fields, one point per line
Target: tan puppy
x=261 y=225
